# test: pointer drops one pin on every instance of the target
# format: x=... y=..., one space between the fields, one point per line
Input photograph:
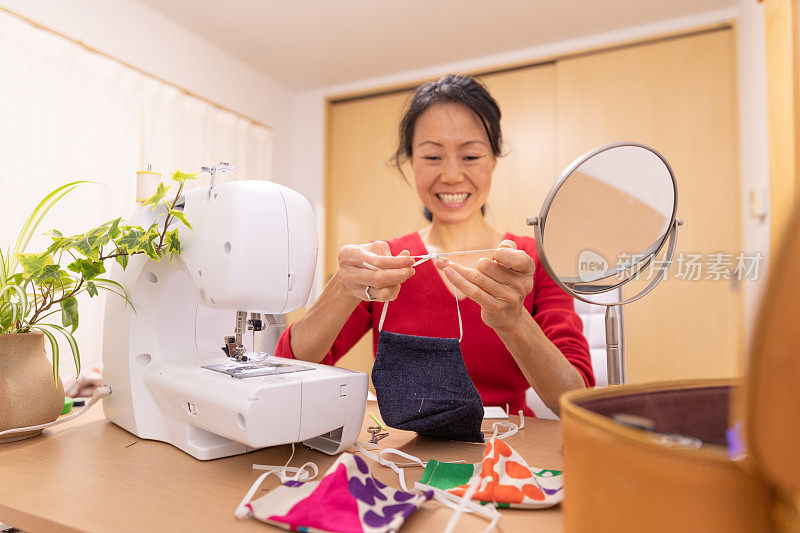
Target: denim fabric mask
x=423 y=385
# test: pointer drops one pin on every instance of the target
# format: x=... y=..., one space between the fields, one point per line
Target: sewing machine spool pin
x=212 y=172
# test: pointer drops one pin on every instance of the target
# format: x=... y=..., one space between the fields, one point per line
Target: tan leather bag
x=620 y=478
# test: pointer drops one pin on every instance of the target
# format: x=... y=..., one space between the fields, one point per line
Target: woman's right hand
x=383 y=281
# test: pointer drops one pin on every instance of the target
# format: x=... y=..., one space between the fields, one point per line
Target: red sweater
x=425 y=307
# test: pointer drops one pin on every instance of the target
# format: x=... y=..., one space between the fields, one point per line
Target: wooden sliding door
x=678 y=96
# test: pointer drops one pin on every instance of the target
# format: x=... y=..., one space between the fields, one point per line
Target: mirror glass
x=608 y=218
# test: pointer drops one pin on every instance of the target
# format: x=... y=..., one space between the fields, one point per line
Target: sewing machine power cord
x=99 y=393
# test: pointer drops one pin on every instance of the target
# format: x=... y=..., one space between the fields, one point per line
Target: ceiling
x=306 y=44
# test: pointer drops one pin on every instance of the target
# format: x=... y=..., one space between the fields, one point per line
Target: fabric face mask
x=347 y=499
x=502 y=478
x=423 y=385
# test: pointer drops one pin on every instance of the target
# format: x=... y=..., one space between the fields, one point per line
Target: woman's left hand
x=499 y=285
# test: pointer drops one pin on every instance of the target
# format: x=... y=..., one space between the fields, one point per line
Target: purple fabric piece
x=403 y=496
x=373 y=519
x=366 y=491
x=362 y=466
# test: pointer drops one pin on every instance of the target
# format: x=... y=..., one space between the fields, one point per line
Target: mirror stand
x=615 y=353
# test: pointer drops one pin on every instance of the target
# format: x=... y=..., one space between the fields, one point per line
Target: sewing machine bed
x=248 y=369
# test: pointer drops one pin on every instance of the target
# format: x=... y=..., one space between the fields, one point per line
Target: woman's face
x=452 y=162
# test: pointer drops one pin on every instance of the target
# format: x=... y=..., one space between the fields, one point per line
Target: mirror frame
x=669 y=234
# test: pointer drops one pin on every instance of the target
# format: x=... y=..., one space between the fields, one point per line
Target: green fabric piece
x=67 y=405
x=448 y=475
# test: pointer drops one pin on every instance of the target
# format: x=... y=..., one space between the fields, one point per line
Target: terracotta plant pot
x=28 y=396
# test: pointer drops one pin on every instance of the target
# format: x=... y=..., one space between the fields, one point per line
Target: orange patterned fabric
x=507 y=480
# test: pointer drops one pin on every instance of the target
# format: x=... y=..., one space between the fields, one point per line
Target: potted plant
x=38 y=298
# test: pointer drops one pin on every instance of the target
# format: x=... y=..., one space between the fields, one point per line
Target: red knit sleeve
x=554 y=311
x=360 y=322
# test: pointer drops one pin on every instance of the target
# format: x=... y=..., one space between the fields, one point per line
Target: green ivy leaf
x=180 y=216
x=183 y=177
x=69 y=313
x=122 y=260
x=83 y=245
x=49 y=275
x=113 y=230
x=154 y=231
x=98 y=237
x=34 y=264
x=60 y=242
x=161 y=192
x=131 y=240
x=172 y=242
x=87 y=268
x=149 y=248
x=91 y=289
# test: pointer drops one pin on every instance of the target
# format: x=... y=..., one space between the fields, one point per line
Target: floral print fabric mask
x=347 y=499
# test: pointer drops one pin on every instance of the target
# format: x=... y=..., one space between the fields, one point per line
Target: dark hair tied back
x=464 y=90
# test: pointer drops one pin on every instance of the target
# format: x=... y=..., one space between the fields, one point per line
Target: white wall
x=144 y=38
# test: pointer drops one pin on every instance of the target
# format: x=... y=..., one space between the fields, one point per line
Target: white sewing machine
x=182 y=367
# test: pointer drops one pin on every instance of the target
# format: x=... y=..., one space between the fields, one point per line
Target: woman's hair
x=464 y=90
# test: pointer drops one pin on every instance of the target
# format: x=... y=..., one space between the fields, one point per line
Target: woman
x=519 y=327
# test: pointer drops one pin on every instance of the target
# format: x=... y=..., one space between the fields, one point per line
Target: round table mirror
x=608 y=217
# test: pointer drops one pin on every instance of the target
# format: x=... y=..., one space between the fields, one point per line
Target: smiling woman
x=463 y=94
x=514 y=329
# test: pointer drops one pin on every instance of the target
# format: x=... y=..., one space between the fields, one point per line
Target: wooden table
x=90 y=475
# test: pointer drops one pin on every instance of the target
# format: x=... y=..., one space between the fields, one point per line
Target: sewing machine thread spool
x=146 y=183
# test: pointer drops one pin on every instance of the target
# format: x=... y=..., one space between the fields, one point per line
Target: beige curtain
x=67 y=113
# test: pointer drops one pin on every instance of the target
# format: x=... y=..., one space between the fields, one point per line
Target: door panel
x=678 y=96
x=366 y=198
x=528 y=169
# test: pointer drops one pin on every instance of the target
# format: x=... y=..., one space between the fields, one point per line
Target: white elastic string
x=454 y=502
x=461 y=505
x=460 y=324
x=241 y=511
x=433 y=255
x=99 y=392
x=400 y=474
x=514 y=428
x=423 y=258
x=306 y=472
x=458 y=312
x=415 y=461
x=419 y=260
x=472 y=486
x=383 y=316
